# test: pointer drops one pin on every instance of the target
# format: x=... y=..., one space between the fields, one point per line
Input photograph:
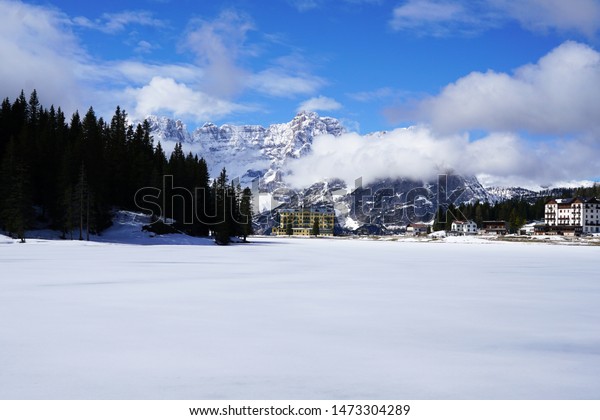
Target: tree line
x=516 y=211
x=72 y=175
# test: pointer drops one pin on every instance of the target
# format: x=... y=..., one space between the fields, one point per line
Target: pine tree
x=437 y=225
x=233 y=205
x=316 y=229
x=246 y=213
x=221 y=226
x=82 y=198
x=67 y=203
x=5 y=125
x=202 y=196
x=15 y=193
x=118 y=159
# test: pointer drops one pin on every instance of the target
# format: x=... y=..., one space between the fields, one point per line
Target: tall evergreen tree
x=246 y=213
x=202 y=196
x=82 y=198
x=221 y=224
x=316 y=230
x=15 y=193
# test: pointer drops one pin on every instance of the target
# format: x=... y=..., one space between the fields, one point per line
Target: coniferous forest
x=72 y=174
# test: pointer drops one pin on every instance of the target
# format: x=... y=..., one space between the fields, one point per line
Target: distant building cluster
x=303 y=222
x=488 y=227
x=562 y=216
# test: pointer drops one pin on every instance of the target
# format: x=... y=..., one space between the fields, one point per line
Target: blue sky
x=476 y=67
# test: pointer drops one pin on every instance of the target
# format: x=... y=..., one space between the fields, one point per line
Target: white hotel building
x=573 y=215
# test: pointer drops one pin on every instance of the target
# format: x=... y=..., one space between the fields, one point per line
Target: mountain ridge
x=248 y=150
x=255 y=153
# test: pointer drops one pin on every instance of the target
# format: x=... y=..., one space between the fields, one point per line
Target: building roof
x=312 y=209
x=571 y=200
x=418 y=225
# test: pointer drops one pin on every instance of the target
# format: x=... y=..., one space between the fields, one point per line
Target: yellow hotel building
x=302 y=221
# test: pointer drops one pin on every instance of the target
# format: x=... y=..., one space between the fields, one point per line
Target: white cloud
x=581 y=16
x=373 y=95
x=439 y=18
x=447 y=17
x=166 y=95
x=418 y=153
x=404 y=152
x=39 y=52
x=307 y=5
x=304 y=5
x=144 y=47
x=319 y=103
x=416 y=12
x=282 y=83
x=218 y=44
x=136 y=72
x=113 y=23
x=556 y=96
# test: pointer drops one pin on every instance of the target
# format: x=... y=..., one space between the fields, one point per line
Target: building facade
x=417 y=229
x=495 y=227
x=462 y=227
x=572 y=216
x=302 y=221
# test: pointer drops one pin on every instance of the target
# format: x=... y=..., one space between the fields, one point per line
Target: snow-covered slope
x=127 y=228
x=499 y=194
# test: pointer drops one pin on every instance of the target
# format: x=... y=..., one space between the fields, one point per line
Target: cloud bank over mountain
x=540 y=125
x=502 y=159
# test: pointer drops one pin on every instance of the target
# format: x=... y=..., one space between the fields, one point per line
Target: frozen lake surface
x=299 y=319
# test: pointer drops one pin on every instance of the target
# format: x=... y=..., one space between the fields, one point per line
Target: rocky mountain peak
x=248 y=149
x=163 y=128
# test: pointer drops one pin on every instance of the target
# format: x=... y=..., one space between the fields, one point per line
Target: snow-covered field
x=299 y=319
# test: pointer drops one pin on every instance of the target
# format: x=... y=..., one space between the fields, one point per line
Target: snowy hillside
x=127 y=228
x=499 y=194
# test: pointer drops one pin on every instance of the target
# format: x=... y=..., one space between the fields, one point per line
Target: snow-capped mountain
x=167 y=129
x=248 y=151
x=254 y=152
